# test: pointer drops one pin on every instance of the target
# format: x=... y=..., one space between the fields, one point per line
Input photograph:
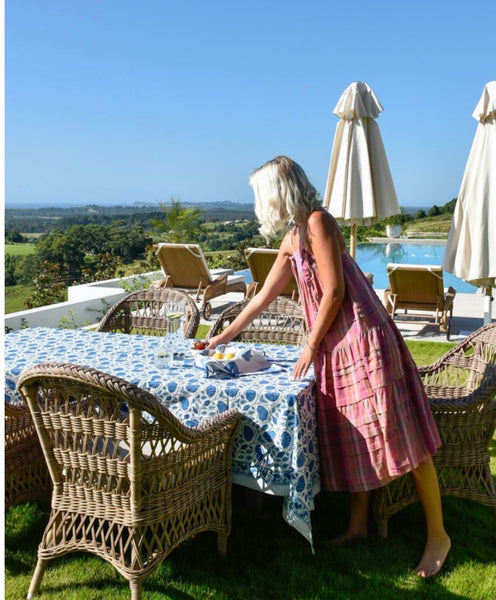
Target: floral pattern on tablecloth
x=276 y=448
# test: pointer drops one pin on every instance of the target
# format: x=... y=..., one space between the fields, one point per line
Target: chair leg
x=222 y=544
x=34 y=586
x=382 y=528
x=136 y=589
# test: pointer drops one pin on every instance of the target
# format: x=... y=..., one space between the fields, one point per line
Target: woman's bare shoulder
x=321 y=219
x=320 y=222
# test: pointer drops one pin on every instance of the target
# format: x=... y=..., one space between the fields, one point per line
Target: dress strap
x=291 y=233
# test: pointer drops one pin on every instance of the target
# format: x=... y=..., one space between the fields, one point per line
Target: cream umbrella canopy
x=359 y=189
x=471 y=247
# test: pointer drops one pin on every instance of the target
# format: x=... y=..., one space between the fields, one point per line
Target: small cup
x=163 y=359
x=177 y=357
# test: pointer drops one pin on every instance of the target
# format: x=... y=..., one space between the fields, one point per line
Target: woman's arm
x=277 y=279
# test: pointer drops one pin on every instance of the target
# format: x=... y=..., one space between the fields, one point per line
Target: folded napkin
x=244 y=361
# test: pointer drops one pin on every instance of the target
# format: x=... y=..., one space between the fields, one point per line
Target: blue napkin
x=245 y=361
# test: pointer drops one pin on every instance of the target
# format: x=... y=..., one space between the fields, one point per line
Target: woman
x=374 y=420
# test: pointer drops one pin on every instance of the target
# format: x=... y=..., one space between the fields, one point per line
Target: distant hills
x=69 y=208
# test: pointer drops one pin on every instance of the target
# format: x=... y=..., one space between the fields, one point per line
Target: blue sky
x=119 y=101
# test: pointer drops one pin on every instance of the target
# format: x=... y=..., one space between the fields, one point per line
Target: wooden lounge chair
x=461 y=386
x=260 y=261
x=145 y=312
x=419 y=288
x=282 y=322
x=130 y=482
x=185 y=268
x=26 y=472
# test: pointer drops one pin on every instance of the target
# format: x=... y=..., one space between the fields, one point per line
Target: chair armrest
x=161 y=283
x=448 y=300
x=251 y=290
x=144 y=401
x=389 y=300
x=215 y=288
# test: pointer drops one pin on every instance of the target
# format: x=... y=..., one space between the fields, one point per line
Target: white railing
x=85 y=306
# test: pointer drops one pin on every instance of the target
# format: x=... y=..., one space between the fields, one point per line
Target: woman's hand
x=215 y=341
x=303 y=363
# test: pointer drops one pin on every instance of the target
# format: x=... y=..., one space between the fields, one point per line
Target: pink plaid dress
x=374 y=419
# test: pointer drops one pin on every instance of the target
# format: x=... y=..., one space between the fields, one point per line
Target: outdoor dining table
x=276 y=448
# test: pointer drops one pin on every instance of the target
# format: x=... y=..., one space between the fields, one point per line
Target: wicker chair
x=144 y=312
x=282 y=322
x=461 y=386
x=130 y=482
x=26 y=472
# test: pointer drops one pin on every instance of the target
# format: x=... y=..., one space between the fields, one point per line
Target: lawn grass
x=267 y=559
x=15 y=297
x=425 y=353
x=20 y=249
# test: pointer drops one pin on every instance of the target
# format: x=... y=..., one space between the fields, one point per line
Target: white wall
x=85 y=306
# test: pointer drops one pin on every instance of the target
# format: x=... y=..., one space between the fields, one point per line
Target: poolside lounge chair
x=419 y=288
x=185 y=268
x=260 y=261
x=461 y=387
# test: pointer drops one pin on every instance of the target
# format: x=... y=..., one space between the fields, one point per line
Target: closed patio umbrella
x=359 y=189
x=471 y=247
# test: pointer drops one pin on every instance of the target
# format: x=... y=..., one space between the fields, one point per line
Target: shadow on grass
x=269 y=560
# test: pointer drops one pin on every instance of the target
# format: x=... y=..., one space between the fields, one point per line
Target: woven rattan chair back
x=26 y=472
x=282 y=322
x=130 y=481
x=461 y=386
x=145 y=311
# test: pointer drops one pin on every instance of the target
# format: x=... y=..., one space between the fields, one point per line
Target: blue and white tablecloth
x=276 y=448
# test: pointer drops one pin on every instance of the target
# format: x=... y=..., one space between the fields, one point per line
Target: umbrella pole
x=353 y=235
x=488 y=299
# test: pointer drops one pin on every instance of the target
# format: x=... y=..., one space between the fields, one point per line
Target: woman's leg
x=438 y=542
x=359 y=518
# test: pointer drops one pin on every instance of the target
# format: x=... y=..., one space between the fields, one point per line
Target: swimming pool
x=373 y=258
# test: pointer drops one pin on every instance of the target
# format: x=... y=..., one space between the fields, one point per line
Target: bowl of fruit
x=199 y=345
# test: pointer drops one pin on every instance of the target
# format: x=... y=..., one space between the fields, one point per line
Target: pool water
x=373 y=258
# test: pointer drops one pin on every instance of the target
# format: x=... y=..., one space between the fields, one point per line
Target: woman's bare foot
x=435 y=554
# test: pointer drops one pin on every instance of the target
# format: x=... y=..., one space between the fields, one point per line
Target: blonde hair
x=283 y=195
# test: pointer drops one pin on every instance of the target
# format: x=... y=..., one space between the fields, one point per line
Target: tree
x=10 y=267
x=64 y=250
x=48 y=286
x=179 y=224
x=14 y=237
x=128 y=243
